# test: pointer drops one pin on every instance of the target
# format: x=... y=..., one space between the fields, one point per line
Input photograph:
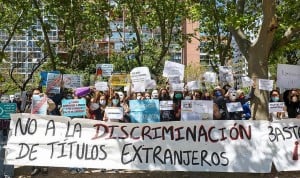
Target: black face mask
x=165 y=96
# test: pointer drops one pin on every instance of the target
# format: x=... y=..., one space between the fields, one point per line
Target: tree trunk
x=258 y=69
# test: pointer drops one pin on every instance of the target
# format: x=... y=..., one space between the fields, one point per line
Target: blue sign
x=73 y=107
x=144 y=111
x=6 y=109
x=44 y=76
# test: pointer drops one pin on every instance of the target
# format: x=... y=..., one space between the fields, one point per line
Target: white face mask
x=294 y=99
x=147 y=97
x=232 y=96
x=138 y=97
x=102 y=102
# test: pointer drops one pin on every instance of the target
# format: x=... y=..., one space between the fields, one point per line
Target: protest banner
x=210 y=146
x=276 y=107
x=144 y=111
x=284 y=138
x=104 y=70
x=264 y=84
x=6 y=109
x=53 y=83
x=72 y=81
x=196 y=110
x=39 y=104
x=173 y=69
x=114 y=114
x=119 y=79
x=288 y=76
x=140 y=74
x=101 y=86
x=73 y=107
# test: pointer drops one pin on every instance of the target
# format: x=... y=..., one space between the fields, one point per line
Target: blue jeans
x=5 y=170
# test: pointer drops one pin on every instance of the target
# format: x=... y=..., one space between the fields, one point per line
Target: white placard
x=276 y=107
x=234 y=107
x=246 y=81
x=101 y=86
x=174 y=79
x=150 y=84
x=193 y=85
x=166 y=105
x=265 y=84
x=196 y=110
x=288 y=76
x=225 y=74
x=138 y=87
x=72 y=81
x=177 y=86
x=114 y=114
x=140 y=74
x=210 y=77
x=209 y=146
x=173 y=69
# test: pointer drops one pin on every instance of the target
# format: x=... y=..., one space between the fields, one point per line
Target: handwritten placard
x=101 y=86
x=196 y=110
x=166 y=105
x=276 y=107
x=288 y=76
x=173 y=69
x=6 y=109
x=234 y=107
x=265 y=84
x=114 y=114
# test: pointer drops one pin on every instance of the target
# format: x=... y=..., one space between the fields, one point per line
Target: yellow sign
x=119 y=79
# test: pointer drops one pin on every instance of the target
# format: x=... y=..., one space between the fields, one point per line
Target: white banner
x=212 y=146
x=288 y=76
x=173 y=69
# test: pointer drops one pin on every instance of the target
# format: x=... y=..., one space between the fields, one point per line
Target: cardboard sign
x=72 y=81
x=276 y=107
x=73 y=107
x=144 y=111
x=6 y=109
x=173 y=69
x=288 y=76
x=265 y=84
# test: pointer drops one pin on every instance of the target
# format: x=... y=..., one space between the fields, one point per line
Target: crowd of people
x=97 y=101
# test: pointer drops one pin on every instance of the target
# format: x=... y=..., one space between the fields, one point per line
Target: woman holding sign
x=275 y=98
x=114 y=113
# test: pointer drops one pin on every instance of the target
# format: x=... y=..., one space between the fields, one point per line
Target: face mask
x=178 y=96
x=187 y=97
x=4 y=99
x=147 y=97
x=102 y=102
x=154 y=96
x=218 y=93
x=294 y=99
x=115 y=101
x=138 y=97
x=275 y=99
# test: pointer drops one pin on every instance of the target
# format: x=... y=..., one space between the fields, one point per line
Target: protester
x=178 y=96
x=292 y=103
x=275 y=97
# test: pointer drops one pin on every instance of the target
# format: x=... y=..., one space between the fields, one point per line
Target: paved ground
x=24 y=172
